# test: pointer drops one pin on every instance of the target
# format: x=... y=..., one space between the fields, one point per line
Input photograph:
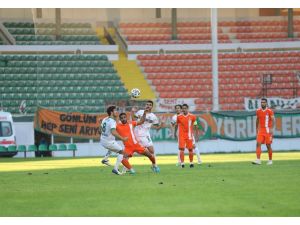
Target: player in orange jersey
x=174 y=127
x=185 y=123
x=265 y=122
x=196 y=136
x=125 y=129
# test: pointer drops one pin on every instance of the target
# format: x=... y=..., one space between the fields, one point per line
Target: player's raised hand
x=134 y=109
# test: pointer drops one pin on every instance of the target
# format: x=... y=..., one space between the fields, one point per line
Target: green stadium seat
x=32 y=148
x=43 y=147
x=3 y=149
x=72 y=147
x=62 y=147
x=21 y=148
x=104 y=57
x=52 y=147
x=12 y=148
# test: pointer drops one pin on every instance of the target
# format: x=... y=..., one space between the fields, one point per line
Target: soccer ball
x=135 y=93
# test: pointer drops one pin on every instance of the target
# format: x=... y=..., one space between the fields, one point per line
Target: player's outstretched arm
x=158 y=126
x=143 y=118
x=133 y=112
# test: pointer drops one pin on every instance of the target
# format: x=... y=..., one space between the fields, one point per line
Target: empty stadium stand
x=199 y=32
x=62 y=82
x=85 y=82
x=27 y=33
x=240 y=76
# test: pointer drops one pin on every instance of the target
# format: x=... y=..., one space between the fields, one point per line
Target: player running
x=265 y=123
x=142 y=132
x=109 y=135
x=185 y=123
x=125 y=128
x=178 y=109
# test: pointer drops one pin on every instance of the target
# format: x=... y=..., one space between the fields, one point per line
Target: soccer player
x=109 y=135
x=265 y=123
x=185 y=123
x=142 y=132
x=196 y=139
x=105 y=160
x=125 y=128
x=178 y=109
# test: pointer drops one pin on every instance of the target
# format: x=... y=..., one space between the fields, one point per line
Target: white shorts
x=144 y=141
x=111 y=145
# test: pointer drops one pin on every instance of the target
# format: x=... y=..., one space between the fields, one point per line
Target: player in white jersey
x=142 y=132
x=178 y=110
x=109 y=135
x=196 y=137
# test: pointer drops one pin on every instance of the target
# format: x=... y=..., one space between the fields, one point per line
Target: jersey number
x=103 y=128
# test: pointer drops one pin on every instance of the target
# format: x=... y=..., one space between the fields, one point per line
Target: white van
x=7 y=130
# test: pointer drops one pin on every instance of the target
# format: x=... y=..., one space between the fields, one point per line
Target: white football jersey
x=144 y=129
x=106 y=126
x=174 y=119
x=174 y=122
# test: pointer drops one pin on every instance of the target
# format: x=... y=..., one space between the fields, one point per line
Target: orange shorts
x=185 y=143
x=130 y=150
x=264 y=138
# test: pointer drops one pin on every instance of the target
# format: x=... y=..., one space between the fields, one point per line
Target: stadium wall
x=134 y=50
x=111 y=51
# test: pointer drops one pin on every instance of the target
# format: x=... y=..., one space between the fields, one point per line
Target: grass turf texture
x=225 y=185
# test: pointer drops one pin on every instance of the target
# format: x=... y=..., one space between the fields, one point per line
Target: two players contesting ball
x=134 y=141
x=135 y=134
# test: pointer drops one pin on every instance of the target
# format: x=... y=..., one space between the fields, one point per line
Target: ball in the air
x=135 y=93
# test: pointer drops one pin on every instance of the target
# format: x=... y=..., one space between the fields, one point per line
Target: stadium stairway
x=132 y=76
x=100 y=35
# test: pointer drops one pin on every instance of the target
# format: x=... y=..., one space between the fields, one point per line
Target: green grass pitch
x=224 y=185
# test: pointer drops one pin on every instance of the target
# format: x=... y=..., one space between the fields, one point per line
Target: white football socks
x=118 y=162
x=197 y=152
x=107 y=155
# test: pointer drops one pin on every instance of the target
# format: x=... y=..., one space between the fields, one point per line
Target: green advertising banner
x=232 y=126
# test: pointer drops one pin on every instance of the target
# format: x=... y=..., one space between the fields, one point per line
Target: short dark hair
x=264 y=99
x=186 y=105
x=149 y=101
x=121 y=114
x=110 y=109
x=178 y=105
